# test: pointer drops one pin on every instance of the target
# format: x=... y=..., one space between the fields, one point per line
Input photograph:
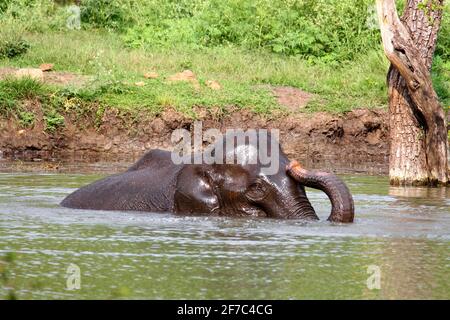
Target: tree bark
x=418 y=129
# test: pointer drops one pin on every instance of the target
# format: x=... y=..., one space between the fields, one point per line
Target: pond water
x=400 y=237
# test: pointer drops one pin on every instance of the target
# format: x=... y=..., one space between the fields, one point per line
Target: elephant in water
x=155 y=183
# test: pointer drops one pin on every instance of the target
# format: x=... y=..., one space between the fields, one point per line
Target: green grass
x=115 y=69
x=12 y=91
x=13 y=94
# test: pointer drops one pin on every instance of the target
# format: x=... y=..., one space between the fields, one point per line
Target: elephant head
x=246 y=189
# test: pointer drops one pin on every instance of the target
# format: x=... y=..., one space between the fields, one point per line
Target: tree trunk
x=418 y=130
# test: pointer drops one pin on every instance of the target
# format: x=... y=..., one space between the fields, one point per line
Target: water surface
x=403 y=233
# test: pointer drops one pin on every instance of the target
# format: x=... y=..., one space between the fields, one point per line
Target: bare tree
x=418 y=129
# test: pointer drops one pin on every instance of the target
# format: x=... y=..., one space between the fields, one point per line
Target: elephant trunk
x=341 y=200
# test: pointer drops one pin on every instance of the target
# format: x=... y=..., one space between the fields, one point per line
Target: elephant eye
x=256 y=191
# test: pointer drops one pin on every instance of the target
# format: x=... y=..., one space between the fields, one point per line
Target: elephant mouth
x=302 y=210
x=240 y=211
x=255 y=212
x=342 y=207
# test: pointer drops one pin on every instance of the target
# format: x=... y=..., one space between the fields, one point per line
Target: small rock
x=158 y=125
x=32 y=73
x=172 y=119
x=108 y=146
x=214 y=85
x=21 y=132
x=45 y=67
x=151 y=75
x=186 y=75
x=140 y=83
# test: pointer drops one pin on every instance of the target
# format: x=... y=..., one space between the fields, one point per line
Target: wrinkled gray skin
x=155 y=184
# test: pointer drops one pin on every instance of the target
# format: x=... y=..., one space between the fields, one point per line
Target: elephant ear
x=195 y=192
x=257 y=191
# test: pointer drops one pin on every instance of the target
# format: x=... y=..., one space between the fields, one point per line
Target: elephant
x=156 y=184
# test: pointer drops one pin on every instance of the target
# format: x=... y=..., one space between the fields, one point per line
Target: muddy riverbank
x=354 y=142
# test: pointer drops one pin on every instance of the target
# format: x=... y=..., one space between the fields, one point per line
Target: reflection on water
x=404 y=231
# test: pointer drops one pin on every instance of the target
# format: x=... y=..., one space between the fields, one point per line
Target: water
x=403 y=233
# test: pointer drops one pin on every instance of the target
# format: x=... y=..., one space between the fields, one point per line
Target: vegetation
x=15 y=91
x=330 y=48
x=12 y=91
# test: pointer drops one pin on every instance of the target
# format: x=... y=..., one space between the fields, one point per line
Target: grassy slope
x=116 y=69
x=172 y=29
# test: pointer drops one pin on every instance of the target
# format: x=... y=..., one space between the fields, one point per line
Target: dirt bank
x=356 y=141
